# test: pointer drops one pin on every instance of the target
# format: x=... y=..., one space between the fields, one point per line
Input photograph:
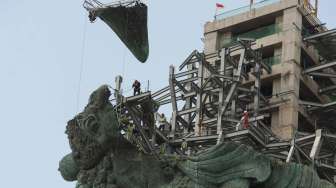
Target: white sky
x=40 y=52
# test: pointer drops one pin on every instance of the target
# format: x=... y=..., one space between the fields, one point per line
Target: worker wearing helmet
x=136 y=87
x=162 y=122
x=184 y=146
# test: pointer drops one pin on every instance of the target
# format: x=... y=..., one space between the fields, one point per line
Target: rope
x=81 y=61
x=124 y=67
x=124 y=55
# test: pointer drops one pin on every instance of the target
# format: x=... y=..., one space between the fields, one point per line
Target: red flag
x=219 y=5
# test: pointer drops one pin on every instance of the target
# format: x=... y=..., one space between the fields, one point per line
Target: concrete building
x=279 y=27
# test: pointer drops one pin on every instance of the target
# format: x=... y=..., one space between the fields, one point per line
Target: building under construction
x=275 y=61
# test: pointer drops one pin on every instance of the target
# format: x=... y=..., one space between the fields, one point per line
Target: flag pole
x=216 y=13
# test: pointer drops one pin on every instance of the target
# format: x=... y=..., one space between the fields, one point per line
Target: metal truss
x=315 y=149
x=321 y=71
x=94 y=5
x=325 y=43
x=208 y=97
x=212 y=93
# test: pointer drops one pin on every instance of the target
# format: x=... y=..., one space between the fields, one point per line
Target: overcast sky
x=41 y=46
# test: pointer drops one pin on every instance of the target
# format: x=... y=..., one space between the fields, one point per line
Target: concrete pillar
x=279 y=21
x=210 y=42
x=276 y=87
x=290 y=77
x=224 y=39
x=275 y=114
x=277 y=54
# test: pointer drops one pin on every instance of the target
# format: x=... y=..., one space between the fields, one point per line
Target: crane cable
x=81 y=67
x=125 y=50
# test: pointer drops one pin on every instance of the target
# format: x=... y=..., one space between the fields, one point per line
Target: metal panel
x=317 y=145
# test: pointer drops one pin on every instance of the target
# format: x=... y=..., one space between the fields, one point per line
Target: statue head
x=95 y=131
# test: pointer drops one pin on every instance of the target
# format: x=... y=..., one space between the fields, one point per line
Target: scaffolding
x=209 y=92
x=208 y=101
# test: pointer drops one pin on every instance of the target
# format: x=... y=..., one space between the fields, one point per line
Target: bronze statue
x=103 y=158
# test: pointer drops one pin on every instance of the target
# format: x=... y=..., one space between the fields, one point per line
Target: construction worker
x=189 y=151
x=245 y=120
x=163 y=148
x=92 y=16
x=184 y=146
x=130 y=131
x=162 y=122
x=136 y=87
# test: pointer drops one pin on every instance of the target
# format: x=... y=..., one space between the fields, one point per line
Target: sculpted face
x=86 y=150
x=91 y=133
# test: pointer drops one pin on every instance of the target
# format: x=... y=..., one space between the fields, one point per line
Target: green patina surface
x=102 y=158
x=130 y=24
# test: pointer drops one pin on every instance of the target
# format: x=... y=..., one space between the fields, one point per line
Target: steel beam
x=311 y=104
x=165 y=89
x=255 y=55
x=199 y=112
x=317 y=145
x=279 y=144
x=180 y=86
x=186 y=73
x=188 y=80
x=291 y=152
x=323 y=106
x=187 y=111
x=167 y=95
x=189 y=100
x=257 y=136
x=188 y=60
x=137 y=98
x=161 y=135
x=137 y=124
x=302 y=152
x=164 y=102
x=221 y=92
x=173 y=99
x=182 y=121
x=316 y=36
x=320 y=74
x=327 y=166
x=319 y=67
x=305 y=138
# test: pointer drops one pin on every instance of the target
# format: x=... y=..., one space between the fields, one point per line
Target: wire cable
x=81 y=61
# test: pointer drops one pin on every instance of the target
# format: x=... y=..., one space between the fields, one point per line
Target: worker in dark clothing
x=136 y=132
x=136 y=87
x=92 y=16
x=162 y=122
x=245 y=120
